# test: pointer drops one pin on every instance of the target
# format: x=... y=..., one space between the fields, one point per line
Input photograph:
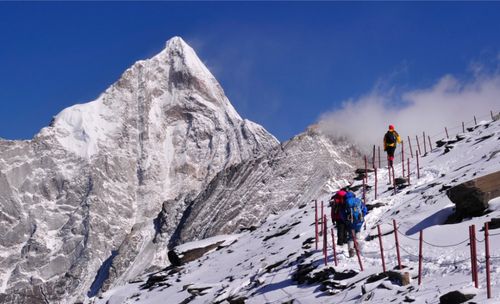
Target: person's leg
x=390 y=155
x=340 y=232
x=357 y=236
x=337 y=224
x=350 y=243
x=352 y=248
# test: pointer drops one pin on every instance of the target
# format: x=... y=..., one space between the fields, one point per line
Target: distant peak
x=182 y=57
x=176 y=42
x=177 y=47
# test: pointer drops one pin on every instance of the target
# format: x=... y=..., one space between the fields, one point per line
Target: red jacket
x=337 y=205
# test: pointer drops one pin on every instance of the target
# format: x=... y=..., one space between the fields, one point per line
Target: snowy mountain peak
x=182 y=55
x=186 y=68
x=89 y=187
x=175 y=78
x=178 y=44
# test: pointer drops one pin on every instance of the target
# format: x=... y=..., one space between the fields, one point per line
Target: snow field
x=259 y=266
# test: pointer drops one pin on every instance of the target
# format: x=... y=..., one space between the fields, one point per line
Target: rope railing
x=446 y=246
x=463 y=127
x=409 y=252
x=408 y=168
x=404 y=235
x=421 y=144
x=435 y=245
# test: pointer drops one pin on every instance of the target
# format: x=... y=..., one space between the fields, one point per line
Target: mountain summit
x=80 y=199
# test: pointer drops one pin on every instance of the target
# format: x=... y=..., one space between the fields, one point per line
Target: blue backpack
x=355 y=211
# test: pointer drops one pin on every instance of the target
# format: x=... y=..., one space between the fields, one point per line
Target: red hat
x=391 y=127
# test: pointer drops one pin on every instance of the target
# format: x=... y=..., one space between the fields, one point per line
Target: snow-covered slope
x=82 y=196
x=266 y=265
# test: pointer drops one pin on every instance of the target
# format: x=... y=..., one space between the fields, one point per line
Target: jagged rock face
x=244 y=195
x=89 y=186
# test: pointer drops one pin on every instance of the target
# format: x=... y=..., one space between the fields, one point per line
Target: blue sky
x=281 y=64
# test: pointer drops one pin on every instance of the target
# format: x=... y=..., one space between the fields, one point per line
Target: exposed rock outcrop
x=471 y=198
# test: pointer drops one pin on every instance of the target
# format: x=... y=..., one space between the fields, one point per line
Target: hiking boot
x=351 y=252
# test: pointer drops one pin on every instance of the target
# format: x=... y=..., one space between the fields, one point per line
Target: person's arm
x=398 y=138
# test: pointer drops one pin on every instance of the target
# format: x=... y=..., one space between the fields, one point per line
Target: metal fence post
x=397 y=243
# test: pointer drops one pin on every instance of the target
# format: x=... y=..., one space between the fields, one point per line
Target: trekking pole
x=487 y=253
x=381 y=247
x=356 y=248
x=397 y=243
x=418 y=144
x=316 y=221
x=334 y=249
x=325 y=240
x=420 y=257
x=409 y=144
x=425 y=146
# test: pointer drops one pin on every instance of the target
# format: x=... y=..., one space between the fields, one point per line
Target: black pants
x=341 y=232
x=390 y=154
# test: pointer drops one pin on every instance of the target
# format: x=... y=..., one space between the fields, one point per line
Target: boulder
x=496 y=116
x=494 y=223
x=362 y=170
x=236 y=299
x=400 y=181
x=397 y=277
x=455 y=297
x=177 y=258
x=370 y=207
x=361 y=173
x=471 y=198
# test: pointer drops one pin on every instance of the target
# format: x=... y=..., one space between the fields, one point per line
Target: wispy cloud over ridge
x=446 y=103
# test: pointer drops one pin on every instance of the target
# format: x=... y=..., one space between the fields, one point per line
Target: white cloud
x=447 y=103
